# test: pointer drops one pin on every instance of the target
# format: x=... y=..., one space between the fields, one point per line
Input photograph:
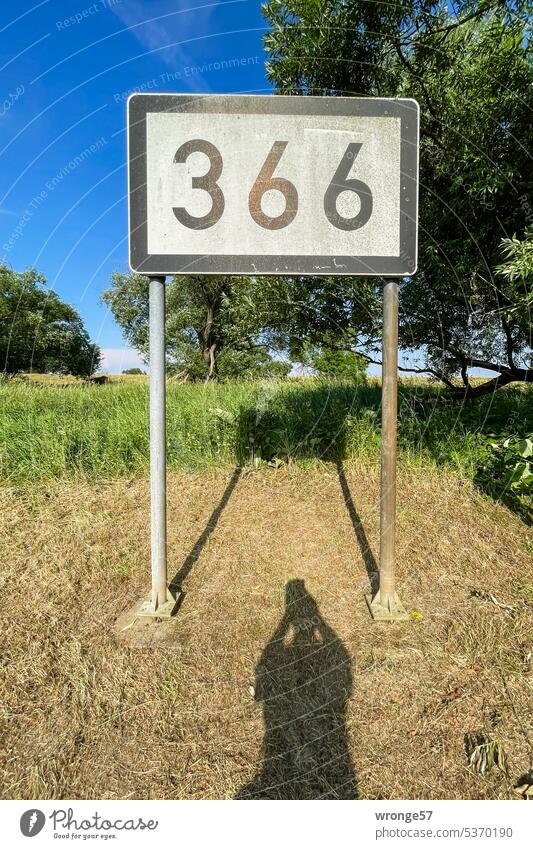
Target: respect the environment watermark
x=49 y=186
x=84 y=14
x=187 y=72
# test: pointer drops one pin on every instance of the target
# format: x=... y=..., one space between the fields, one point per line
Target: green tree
x=309 y=313
x=215 y=327
x=38 y=331
x=472 y=76
x=329 y=362
x=517 y=269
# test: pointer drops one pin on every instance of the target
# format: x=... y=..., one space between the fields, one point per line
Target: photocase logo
x=32 y=822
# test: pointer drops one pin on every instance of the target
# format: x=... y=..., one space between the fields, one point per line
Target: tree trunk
x=469 y=392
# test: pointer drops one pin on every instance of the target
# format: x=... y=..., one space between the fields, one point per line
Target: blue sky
x=66 y=69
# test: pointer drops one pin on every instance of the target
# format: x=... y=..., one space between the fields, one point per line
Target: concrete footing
x=164 y=611
x=386 y=612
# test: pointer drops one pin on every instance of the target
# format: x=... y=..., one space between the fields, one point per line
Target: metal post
x=160 y=604
x=385 y=604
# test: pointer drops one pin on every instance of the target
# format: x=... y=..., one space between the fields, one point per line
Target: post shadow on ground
x=303 y=683
x=371 y=565
x=266 y=433
x=175 y=586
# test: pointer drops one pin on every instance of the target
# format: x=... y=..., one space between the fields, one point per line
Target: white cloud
x=160 y=23
x=116 y=360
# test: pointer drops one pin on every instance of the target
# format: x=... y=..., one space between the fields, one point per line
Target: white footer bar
x=259 y=825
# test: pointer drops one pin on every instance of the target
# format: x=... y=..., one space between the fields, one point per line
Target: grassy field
x=49 y=431
x=263 y=686
x=271 y=681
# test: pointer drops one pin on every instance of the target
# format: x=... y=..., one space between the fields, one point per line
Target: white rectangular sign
x=238 y=184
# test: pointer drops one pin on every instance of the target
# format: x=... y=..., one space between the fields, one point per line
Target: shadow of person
x=303 y=681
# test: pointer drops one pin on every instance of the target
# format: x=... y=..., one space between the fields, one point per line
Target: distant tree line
x=38 y=331
x=221 y=328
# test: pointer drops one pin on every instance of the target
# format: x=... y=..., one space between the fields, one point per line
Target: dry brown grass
x=351 y=707
x=50 y=379
x=60 y=380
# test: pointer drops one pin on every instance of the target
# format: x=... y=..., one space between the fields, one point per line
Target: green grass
x=102 y=431
x=96 y=432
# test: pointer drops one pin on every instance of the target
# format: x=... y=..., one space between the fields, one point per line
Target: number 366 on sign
x=242 y=184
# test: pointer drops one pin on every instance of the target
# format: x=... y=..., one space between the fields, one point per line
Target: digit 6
x=340 y=184
x=265 y=182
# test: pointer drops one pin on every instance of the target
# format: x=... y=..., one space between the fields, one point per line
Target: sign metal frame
x=141 y=261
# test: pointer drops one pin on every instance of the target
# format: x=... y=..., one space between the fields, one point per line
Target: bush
x=508 y=475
